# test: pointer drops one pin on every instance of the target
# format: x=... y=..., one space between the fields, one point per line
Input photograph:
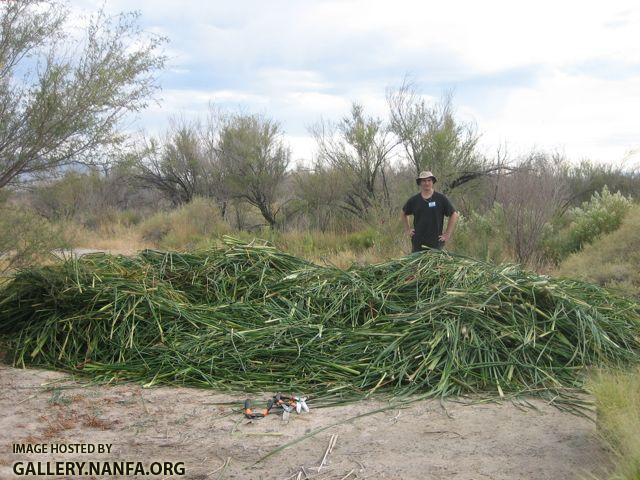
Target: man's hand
x=451 y=224
x=411 y=232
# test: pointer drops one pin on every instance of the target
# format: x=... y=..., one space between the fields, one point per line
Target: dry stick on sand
x=297 y=474
x=302 y=471
x=332 y=443
x=347 y=475
x=221 y=469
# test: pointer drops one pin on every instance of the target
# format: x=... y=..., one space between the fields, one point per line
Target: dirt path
x=425 y=441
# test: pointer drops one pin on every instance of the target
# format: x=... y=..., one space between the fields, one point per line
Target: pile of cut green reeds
x=249 y=317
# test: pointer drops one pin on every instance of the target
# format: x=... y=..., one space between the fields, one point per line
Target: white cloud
x=198 y=101
x=282 y=79
x=549 y=74
x=302 y=149
x=315 y=103
x=582 y=116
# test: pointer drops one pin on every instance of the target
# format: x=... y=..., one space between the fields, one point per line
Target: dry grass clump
x=115 y=238
x=617 y=395
x=195 y=224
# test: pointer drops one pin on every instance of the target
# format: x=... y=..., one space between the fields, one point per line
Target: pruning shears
x=250 y=413
x=287 y=402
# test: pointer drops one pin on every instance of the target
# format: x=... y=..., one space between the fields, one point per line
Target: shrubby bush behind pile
x=602 y=214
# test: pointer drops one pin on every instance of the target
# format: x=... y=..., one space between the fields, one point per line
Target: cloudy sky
x=554 y=75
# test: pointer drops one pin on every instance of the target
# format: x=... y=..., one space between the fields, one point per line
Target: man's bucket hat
x=426 y=174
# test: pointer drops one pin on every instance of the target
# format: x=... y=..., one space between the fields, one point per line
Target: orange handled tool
x=250 y=413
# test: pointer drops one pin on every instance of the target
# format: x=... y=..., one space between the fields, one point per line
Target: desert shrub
x=194 y=224
x=529 y=204
x=130 y=217
x=110 y=219
x=603 y=213
x=62 y=199
x=482 y=236
x=391 y=240
x=99 y=202
x=156 y=227
x=26 y=238
x=360 y=241
x=588 y=177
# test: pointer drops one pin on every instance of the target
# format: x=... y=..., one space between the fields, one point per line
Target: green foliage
x=482 y=236
x=380 y=239
x=62 y=98
x=602 y=214
x=254 y=161
x=357 y=149
x=433 y=139
x=313 y=245
x=586 y=178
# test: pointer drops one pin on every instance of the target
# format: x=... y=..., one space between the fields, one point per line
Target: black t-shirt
x=428 y=218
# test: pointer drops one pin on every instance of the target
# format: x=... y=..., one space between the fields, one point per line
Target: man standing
x=428 y=209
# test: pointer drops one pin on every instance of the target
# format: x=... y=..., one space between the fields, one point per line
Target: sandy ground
x=427 y=440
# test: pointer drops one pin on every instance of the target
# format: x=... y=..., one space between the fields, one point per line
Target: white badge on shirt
x=432 y=204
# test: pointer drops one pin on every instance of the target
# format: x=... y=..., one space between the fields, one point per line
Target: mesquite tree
x=62 y=98
x=432 y=138
x=254 y=161
x=358 y=147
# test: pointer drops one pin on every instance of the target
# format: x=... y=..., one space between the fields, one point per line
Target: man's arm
x=451 y=224
x=407 y=228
